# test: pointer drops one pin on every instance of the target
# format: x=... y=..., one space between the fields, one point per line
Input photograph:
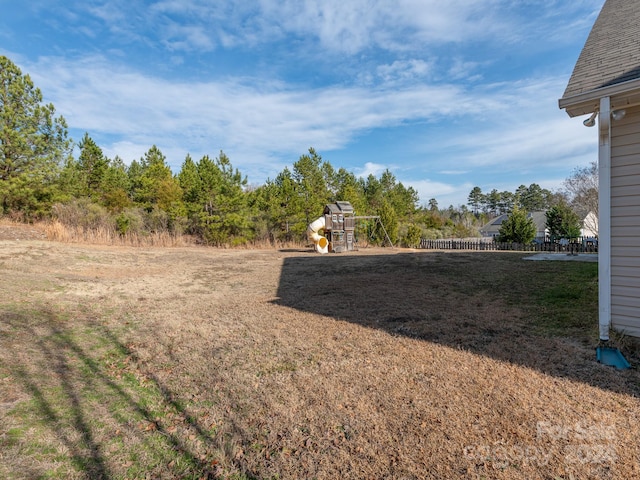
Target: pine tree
x=351 y=190
x=189 y=181
x=157 y=187
x=563 y=222
x=517 y=228
x=92 y=165
x=311 y=187
x=225 y=215
x=115 y=186
x=476 y=199
x=33 y=145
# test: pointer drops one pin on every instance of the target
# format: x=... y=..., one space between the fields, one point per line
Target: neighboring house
x=588 y=223
x=589 y=227
x=605 y=84
x=492 y=229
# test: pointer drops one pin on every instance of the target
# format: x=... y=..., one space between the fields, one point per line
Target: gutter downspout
x=604 y=227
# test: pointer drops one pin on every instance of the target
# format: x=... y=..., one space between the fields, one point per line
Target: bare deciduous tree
x=582 y=189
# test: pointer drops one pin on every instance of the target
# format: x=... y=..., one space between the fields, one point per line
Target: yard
x=118 y=362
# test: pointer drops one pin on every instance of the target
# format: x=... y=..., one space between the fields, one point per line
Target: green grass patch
x=92 y=412
x=565 y=299
x=560 y=298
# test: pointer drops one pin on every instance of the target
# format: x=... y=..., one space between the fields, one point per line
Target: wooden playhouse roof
x=609 y=63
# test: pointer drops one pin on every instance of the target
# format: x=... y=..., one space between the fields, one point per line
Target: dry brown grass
x=59 y=232
x=120 y=362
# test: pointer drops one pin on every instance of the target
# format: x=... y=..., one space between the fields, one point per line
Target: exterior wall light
x=618 y=114
x=591 y=121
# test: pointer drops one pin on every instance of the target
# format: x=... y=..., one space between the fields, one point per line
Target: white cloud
x=370 y=168
x=445 y=193
x=187 y=38
x=400 y=25
x=404 y=71
x=509 y=126
x=333 y=26
x=110 y=13
x=126 y=150
x=107 y=98
x=461 y=69
x=181 y=7
x=521 y=128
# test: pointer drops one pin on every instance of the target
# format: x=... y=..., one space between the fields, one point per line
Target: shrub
x=413 y=236
x=83 y=213
x=123 y=223
x=517 y=228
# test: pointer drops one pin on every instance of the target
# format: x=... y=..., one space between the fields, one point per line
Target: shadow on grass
x=87 y=392
x=541 y=315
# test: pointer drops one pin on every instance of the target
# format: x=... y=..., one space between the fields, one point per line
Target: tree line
x=565 y=211
x=533 y=198
x=209 y=199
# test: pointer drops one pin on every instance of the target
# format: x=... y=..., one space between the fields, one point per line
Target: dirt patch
x=203 y=363
x=10 y=231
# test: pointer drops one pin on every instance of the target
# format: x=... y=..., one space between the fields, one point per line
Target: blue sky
x=447 y=95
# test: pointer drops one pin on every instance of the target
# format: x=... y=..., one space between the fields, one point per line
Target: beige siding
x=625 y=223
x=628 y=255
x=624 y=153
x=624 y=241
x=628 y=233
x=627 y=216
x=625 y=200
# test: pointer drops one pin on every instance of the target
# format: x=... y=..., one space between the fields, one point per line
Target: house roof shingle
x=493 y=227
x=611 y=54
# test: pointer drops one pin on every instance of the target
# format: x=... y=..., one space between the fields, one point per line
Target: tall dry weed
x=57 y=231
